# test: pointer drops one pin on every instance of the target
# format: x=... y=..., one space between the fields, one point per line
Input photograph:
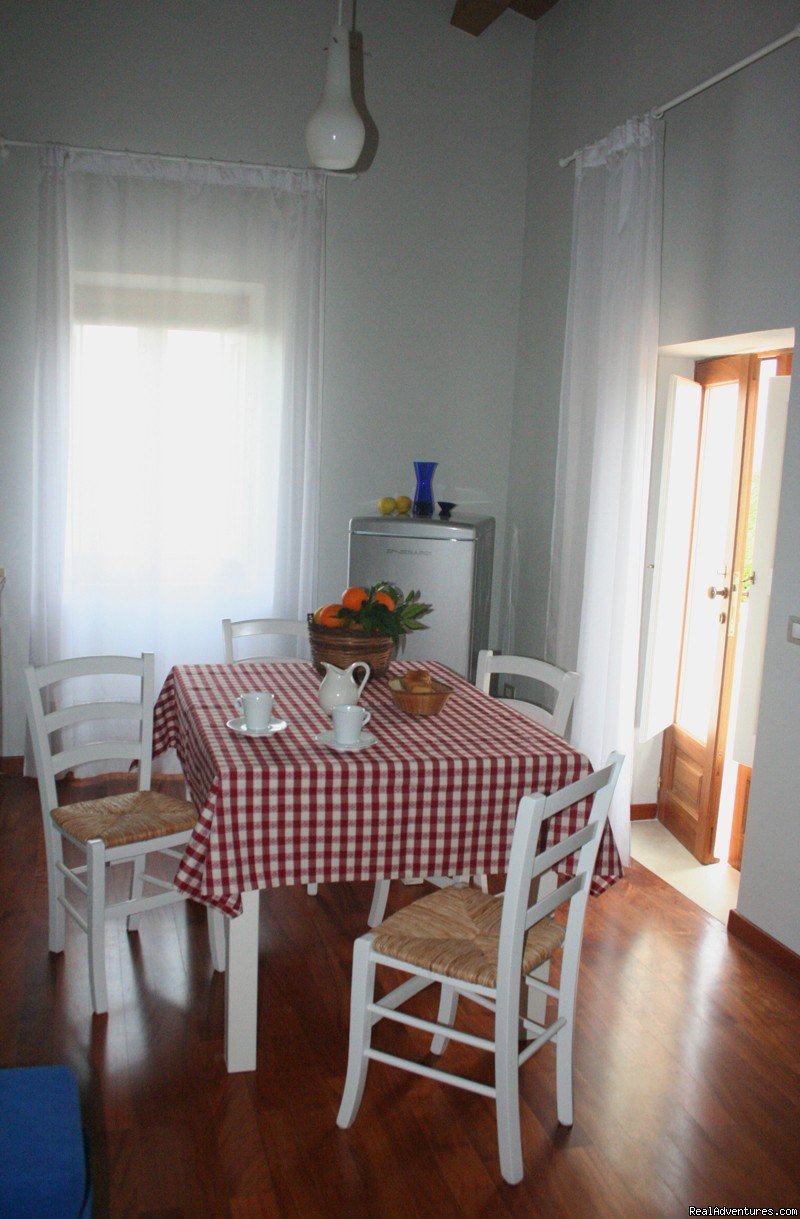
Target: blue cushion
x=42 y=1151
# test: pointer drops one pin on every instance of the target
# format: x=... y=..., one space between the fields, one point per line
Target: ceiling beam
x=475 y=16
x=532 y=8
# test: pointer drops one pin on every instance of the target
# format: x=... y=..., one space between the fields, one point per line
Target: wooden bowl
x=340 y=647
x=428 y=703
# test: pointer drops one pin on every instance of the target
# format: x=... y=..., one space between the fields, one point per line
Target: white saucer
x=238 y=726
x=364 y=741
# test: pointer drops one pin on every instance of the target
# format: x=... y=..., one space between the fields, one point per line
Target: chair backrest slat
x=564 y=684
x=84 y=713
x=87 y=666
x=561 y=850
x=95 y=751
x=547 y=905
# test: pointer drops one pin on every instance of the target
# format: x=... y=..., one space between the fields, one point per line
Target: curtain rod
x=660 y=111
x=162 y=156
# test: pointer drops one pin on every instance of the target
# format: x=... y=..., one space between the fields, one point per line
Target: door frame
x=744 y=773
x=697 y=832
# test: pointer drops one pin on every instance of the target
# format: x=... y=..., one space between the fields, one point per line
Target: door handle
x=735 y=586
x=717 y=592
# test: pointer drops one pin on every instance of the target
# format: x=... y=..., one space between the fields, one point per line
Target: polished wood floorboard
x=687 y=1066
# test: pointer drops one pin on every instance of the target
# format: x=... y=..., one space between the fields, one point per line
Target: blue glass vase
x=423 y=497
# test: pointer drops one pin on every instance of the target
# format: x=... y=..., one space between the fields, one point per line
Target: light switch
x=793 y=633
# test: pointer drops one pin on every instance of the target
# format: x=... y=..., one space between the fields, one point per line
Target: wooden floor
x=687 y=1068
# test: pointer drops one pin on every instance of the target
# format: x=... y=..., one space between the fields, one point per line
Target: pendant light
x=335 y=131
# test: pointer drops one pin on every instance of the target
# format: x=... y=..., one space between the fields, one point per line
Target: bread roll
x=417 y=681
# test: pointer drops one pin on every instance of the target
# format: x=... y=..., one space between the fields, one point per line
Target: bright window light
x=173 y=468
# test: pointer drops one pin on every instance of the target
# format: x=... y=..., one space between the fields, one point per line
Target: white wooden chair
x=110 y=830
x=248 y=627
x=564 y=684
x=483 y=947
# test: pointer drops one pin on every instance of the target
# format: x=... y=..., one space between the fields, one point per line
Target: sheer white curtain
x=177 y=402
x=605 y=434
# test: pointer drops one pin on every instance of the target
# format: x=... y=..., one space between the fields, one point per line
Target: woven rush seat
x=130 y=817
x=456 y=932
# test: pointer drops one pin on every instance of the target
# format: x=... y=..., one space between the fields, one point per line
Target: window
x=177 y=408
x=165 y=419
x=175 y=432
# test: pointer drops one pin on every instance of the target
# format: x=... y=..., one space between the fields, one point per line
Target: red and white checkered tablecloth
x=433 y=796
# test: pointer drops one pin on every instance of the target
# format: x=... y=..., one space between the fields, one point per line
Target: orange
x=384 y=598
x=328 y=615
x=354 y=598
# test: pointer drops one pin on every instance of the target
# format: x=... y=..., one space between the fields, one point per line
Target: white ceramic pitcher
x=339 y=687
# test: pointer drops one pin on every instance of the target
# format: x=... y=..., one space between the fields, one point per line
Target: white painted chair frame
x=247 y=627
x=526 y=864
x=90 y=877
x=565 y=684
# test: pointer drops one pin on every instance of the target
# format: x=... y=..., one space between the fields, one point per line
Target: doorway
x=695 y=678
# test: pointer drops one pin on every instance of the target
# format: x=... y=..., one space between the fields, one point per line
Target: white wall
x=768 y=890
x=423 y=250
x=731 y=240
x=730 y=266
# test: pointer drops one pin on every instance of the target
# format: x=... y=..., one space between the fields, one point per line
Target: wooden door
x=741 y=801
x=694 y=744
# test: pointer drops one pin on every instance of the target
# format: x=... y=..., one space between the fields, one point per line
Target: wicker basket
x=429 y=702
x=340 y=647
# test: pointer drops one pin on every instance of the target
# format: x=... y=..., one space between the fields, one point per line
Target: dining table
x=429 y=795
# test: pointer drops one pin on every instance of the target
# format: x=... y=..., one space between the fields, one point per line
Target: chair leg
x=96 y=922
x=361 y=994
x=448 y=1003
x=57 y=915
x=506 y=1069
x=563 y=1039
x=380 y=897
x=216 y=939
x=137 y=888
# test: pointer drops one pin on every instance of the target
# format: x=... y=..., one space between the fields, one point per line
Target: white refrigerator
x=450 y=562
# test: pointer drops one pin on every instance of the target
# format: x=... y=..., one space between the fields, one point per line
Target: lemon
x=403 y=504
x=386 y=505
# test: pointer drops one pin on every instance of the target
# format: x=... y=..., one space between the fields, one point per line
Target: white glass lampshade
x=335 y=131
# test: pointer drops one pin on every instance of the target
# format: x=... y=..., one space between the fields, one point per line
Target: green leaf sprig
x=376 y=618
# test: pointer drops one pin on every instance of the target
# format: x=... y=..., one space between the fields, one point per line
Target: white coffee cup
x=348 y=722
x=256 y=709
